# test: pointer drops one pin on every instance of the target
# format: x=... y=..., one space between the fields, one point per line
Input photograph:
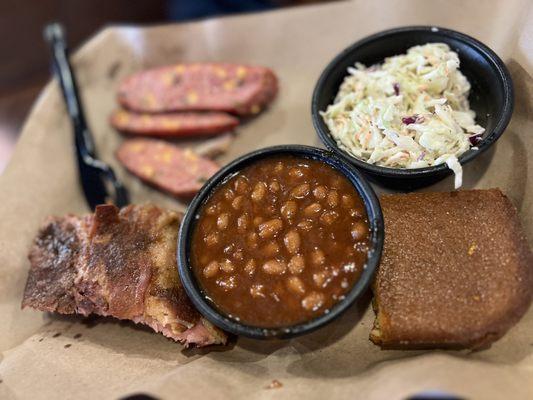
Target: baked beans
x=268 y=245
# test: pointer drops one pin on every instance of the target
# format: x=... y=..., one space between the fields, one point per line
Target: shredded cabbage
x=412 y=111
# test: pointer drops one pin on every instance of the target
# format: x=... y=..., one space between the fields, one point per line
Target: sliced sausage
x=180 y=172
x=233 y=88
x=173 y=124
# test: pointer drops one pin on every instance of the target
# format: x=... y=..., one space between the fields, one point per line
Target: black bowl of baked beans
x=280 y=242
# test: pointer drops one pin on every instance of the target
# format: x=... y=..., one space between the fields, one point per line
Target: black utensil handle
x=96 y=176
x=55 y=36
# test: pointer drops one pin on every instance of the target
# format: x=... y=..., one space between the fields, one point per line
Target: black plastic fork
x=97 y=178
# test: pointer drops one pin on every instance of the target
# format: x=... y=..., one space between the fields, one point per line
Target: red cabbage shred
x=409 y=120
x=475 y=139
x=396 y=87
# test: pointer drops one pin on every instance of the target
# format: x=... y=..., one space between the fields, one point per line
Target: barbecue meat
x=119 y=263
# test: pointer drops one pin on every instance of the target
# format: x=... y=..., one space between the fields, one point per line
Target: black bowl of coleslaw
x=491 y=96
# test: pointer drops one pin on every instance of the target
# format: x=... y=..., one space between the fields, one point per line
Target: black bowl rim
x=486 y=142
x=375 y=218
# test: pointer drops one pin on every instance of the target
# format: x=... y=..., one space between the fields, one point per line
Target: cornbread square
x=456 y=270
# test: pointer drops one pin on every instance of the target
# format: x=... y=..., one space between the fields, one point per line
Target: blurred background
x=24 y=69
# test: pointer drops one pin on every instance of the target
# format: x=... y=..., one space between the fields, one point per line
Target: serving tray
x=46 y=356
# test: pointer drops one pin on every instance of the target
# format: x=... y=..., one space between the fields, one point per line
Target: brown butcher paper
x=48 y=356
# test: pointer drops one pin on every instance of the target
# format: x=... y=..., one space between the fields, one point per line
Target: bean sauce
x=280 y=242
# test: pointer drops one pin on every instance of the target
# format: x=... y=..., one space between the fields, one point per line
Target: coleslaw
x=412 y=111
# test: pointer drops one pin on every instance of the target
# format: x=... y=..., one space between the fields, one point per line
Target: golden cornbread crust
x=456 y=270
